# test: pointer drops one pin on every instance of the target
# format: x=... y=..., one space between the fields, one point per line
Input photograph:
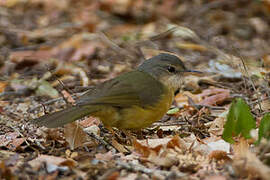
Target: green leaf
x=264 y=129
x=173 y=111
x=45 y=88
x=239 y=121
x=229 y=126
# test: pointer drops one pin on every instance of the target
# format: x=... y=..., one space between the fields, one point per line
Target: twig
x=212 y=5
x=200 y=106
x=114 y=46
x=252 y=83
x=259 y=100
x=14 y=93
x=53 y=101
x=217 y=84
x=107 y=145
x=264 y=150
x=140 y=168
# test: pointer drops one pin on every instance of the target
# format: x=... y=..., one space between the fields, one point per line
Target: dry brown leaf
x=58 y=161
x=130 y=176
x=113 y=176
x=31 y=56
x=85 y=50
x=164 y=159
x=74 y=134
x=146 y=147
x=182 y=98
x=161 y=152
x=78 y=47
x=214 y=96
x=219 y=155
x=108 y=156
x=5 y=171
x=68 y=97
x=15 y=143
x=190 y=46
x=70 y=154
x=72 y=69
x=216 y=126
x=11 y=141
x=265 y=105
x=266 y=60
x=51 y=134
x=246 y=163
x=7 y=138
x=3 y=85
x=10 y=158
x=89 y=121
x=141 y=149
x=216 y=177
x=119 y=147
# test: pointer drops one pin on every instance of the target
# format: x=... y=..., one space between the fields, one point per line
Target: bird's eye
x=171 y=69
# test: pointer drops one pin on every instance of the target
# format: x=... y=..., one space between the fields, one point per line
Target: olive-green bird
x=133 y=100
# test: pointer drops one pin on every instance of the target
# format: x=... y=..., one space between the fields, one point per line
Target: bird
x=131 y=101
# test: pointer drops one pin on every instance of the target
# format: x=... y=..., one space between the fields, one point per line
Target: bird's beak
x=192 y=72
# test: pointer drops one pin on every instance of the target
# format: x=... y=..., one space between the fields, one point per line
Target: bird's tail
x=65 y=116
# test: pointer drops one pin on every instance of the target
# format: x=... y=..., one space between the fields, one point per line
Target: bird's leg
x=129 y=137
x=139 y=134
x=117 y=136
x=111 y=130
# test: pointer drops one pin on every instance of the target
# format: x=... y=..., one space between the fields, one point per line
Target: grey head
x=166 y=68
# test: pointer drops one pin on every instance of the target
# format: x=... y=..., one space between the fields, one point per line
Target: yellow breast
x=137 y=117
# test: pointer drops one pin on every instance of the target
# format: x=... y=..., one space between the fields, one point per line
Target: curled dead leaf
x=53 y=160
x=219 y=155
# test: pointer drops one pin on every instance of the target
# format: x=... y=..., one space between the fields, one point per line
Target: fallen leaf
x=219 y=145
x=246 y=164
x=68 y=97
x=219 y=155
x=224 y=69
x=216 y=126
x=11 y=141
x=15 y=143
x=104 y=157
x=190 y=46
x=214 y=96
x=45 y=88
x=5 y=172
x=130 y=176
x=89 y=121
x=92 y=129
x=52 y=160
x=182 y=98
x=74 y=134
x=216 y=177
x=3 y=85
x=30 y=56
x=164 y=159
x=119 y=147
x=146 y=147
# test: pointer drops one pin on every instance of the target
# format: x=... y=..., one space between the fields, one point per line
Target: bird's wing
x=133 y=88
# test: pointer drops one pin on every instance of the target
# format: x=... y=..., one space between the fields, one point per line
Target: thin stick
x=107 y=145
x=51 y=101
x=140 y=168
x=252 y=83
